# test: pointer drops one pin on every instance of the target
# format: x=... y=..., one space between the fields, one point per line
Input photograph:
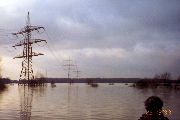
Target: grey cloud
x=112 y=23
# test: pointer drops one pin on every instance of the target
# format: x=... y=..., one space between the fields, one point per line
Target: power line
x=50 y=49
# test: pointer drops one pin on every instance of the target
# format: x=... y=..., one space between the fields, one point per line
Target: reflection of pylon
x=27 y=70
x=26 y=97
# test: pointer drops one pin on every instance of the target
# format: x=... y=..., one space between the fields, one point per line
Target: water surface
x=82 y=102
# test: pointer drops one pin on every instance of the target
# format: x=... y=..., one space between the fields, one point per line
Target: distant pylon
x=77 y=71
x=68 y=66
x=26 y=32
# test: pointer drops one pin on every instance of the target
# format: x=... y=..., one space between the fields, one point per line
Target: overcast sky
x=106 y=38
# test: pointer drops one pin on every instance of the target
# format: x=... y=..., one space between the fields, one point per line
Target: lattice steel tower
x=69 y=64
x=77 y=71
x=27 y=54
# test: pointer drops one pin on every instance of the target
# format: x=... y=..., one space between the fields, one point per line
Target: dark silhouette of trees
x=178 y=77
x=159 y=79
x=163 y=76
x=166 y=76
x=2 y=85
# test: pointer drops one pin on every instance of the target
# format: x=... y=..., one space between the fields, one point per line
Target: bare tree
x=166 y=76
x=39 y=75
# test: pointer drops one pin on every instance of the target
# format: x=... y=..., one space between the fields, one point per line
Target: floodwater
x=82 y=102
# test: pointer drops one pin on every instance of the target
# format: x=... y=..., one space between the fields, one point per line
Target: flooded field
x=82 y=102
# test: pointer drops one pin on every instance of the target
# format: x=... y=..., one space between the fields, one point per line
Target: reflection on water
x=82 y=102
x=26 y=97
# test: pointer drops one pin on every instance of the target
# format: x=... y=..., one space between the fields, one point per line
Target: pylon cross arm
x=33 y=54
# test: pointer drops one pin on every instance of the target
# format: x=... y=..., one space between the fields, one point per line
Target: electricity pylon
x=27 y=70
x=68 y=66
x=77 y=71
